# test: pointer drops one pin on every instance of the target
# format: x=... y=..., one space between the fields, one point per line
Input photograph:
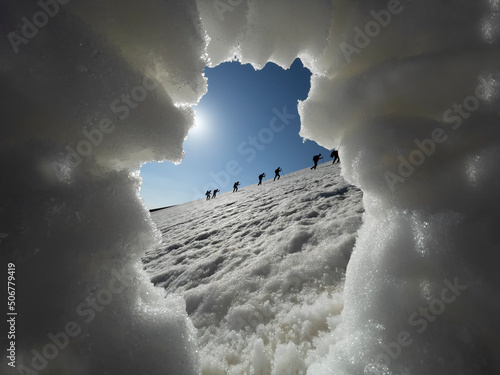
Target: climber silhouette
x=316 y=158
x=335 y=156
x=277 y=173
x=235 y=186
x=261 y=176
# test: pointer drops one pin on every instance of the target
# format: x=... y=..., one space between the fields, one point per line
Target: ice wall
x=90 y=91
x=416 y=115
x=407 y=89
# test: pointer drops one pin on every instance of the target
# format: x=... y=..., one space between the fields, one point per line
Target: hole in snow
x=246 y=124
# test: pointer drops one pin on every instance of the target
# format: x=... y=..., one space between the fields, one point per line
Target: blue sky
x=247 y=123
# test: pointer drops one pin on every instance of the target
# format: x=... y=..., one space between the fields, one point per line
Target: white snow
x=261 y=269
x=102 y=87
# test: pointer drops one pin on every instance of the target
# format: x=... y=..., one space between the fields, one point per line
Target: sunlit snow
x=98 y=88
x=261 y=269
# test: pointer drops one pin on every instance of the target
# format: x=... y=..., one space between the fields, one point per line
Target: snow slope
x=74 y=220
x=261 y=270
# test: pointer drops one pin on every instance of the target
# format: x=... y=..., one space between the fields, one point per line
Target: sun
x=201 y=120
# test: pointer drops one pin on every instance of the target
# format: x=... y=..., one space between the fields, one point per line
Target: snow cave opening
x=246 y=122
x=78 y=228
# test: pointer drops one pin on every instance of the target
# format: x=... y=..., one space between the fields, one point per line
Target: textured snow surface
x=75 y=221
x=261 y=269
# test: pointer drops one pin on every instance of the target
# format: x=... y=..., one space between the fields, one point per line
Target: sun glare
x=200 y=123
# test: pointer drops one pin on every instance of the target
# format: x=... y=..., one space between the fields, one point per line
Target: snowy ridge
x=261 y=269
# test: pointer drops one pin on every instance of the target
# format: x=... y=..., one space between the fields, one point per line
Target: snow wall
x=407 y=89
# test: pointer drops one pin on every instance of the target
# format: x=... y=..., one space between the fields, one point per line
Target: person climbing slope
x=261 y=176
x=235 y=186
x=277 y=173
x=215 y=193
x=335 y=156
x=208 y=194
x=316 y=158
